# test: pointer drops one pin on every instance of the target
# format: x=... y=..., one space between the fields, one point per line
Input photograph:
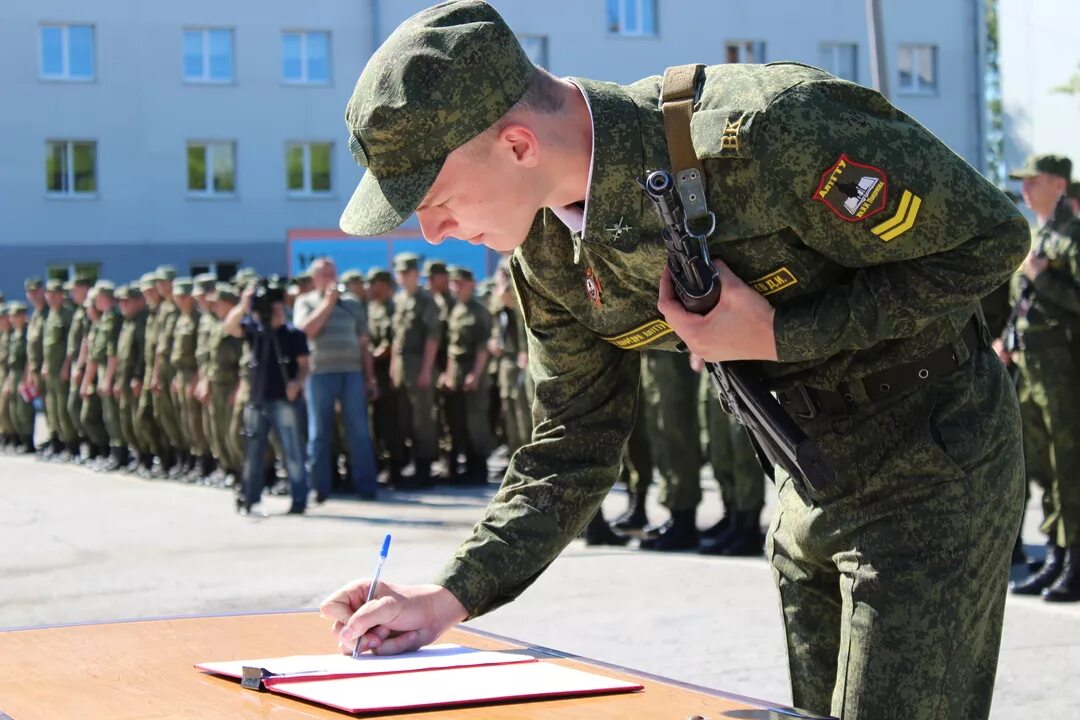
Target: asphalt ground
x=81 y=546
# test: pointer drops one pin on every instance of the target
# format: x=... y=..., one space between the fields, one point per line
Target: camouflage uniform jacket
x=130 y=348
x=80 y=325
x=225 y=353
x=164 y=326
x=469 y=329
x=185 y=339
x=416 y=320
x=1055 y=302
x=103 y=345
x=35 y=339
x=872 y=240
x=55 y=339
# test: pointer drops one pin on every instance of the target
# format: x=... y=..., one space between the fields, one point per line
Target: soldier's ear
x=520 y=143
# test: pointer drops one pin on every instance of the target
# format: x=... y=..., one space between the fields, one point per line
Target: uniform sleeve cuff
x=473 y=588
x=792 y=330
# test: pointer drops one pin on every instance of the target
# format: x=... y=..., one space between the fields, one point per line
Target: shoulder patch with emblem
x=853 y=191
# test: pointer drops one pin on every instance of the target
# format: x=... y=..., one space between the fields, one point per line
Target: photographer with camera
x=341 y=371
x=277 y=370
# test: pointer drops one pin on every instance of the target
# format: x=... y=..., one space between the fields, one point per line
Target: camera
x=268 y=291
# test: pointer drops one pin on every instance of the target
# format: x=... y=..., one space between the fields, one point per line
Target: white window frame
x=755 y=47
x=542 y=43
x=835 y=49
x=65 y=52
x=307 y=191
x=623 y=31
x=69 y=175
x=304 y=79
x=205 y=78
x=210 y=192
x=917 y=87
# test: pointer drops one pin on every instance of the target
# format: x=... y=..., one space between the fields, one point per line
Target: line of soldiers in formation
x=141 y=378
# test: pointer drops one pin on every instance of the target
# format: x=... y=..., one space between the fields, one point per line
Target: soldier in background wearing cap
x=130 y=369
x=20 y=412
x=91 y=414
x=35 y=336
x=509 y=346
x=386 y=429
x=80 y=324
x=54 y=356
x=7 y=431
x=102 y=366
x=465 y=380
x=176 y=456
x=204 y=294
x=438 y=284
x=878 y=241
x=223 y=376
x=353 y=283
x=417 y=337
x=1047 y=330
x=145 y=426
x=185 y=379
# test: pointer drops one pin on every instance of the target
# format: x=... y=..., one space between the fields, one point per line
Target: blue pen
x=374 y=584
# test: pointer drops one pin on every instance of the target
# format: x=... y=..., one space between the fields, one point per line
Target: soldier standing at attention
x=417 y=336
x=7 y=431
x=145 y=426
x=102 y=365
x=386 y=433
x=205 y=285
x=35 y=353
x=893 y=601
x=20 y=413
x=1048 y=337
x=80 y=324
x=130 y=369
x=186 y=374
x=91 y=414
x=466 y=380
x=166 y=412
x=54 y=351
x=508 y=345
x=223 y=376
x=438 y=285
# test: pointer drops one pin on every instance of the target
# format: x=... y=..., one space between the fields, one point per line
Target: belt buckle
x=811 y=406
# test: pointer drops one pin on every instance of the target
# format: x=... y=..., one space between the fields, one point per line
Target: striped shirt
x=337 y=346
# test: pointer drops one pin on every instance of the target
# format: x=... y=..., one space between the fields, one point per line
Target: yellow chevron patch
x=640 y=336
x=902 y=221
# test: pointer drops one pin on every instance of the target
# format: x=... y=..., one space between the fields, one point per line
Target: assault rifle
x=776 y=438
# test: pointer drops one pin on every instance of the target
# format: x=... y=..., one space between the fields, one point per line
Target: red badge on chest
x=852 y=190
x=593 y=288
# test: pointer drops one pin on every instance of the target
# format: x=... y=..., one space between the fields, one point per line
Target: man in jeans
x=341 y=370
x=277 y=369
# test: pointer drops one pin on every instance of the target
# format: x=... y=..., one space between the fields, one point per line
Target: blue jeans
x=322 y=390
x=281 y=414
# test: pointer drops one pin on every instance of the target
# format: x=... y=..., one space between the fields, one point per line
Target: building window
x=745 y=51
x=631 y=18
x=918 y=69
x=535 y=46
x=208 y=56
x=89 y=270
x=839 y=59
x=71 y=167
x=67 y=52
x=225 y=270
x=211 y=168
x=307 y=168
x=305 y=57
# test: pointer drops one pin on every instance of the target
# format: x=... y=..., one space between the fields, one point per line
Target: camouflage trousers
x=516 y=414
x=56 y=397
x=146 y=429
x=386 y=433
x=1036 y=446
x=418 y=413
x=1049 y=375
x=92 y=420
x=190 y=412
x=110 y=414
x=5 y=399
x=734 y=462
x=166 y=415
x=467 y=414
x=128 y=408
x=892 y=580
x=670 y=388
x=229 y=451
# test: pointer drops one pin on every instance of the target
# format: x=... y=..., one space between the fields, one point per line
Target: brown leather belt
x=802 y=402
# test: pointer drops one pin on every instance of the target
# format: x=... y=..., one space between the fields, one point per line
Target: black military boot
x=746 y=539
x=476 y=470
x=114 y=462
x=681 y=534
x=1067 y=586
x=1036 y=582
x=597 y=532
x=634 y=518
x=26 y=445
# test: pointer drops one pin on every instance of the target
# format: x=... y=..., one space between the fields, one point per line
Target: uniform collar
x=614 y=200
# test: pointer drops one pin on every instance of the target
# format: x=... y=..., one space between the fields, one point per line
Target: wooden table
x=143 y=670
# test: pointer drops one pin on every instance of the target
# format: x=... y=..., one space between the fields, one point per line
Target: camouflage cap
x=435 y=267
x=351 y=276
x=104 y=286
x=68 y=285
x=227 y=293
x=54 y=285
x=165 y=272
x=1058 y=165
x=16 y=307
x=146 y=281
x=33 y=283
x=83 y=281
x=377 y=274
x=128 y=292
x=182 y=286
x=406 y=261
x=90 y=296
x=460 y=273
x=204 y=283
x=442 y=77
